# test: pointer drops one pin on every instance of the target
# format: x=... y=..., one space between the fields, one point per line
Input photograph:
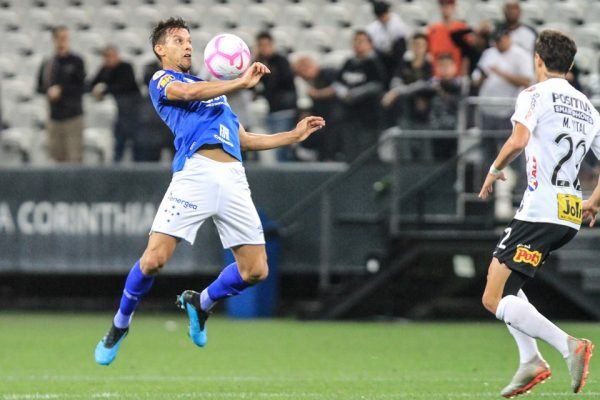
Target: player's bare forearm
x=513 y=146
x=258 y=141
x=255 y=141
x=511 y=149
x=591 y=206
x=210 y=90
x=202 y=90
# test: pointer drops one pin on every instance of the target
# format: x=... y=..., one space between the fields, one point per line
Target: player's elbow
x=518 y=143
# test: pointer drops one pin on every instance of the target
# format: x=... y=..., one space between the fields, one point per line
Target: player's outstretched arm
x=255 y=141
x=209 y=90
x=513 y=146
x=592 y=205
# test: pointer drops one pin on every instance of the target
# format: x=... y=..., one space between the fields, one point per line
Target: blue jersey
x=194 y=123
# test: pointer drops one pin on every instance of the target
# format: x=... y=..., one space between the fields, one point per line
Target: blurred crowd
x=394 y=75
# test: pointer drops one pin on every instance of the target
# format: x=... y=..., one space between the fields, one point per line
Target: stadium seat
x=333 y=14
x=194 y=19
x=38 y=20
x=533 y=13
x=16 y=90
x=9 y=20
x=8 y=68
x=98 y=145
x=564 y=12
x=75 y=18
x=257 y=17
x=199 y=39
x=415 y=14
x=16 y=43
x=297 y=15
x=89 y=43
x=335 y=59
x=363 y=16
x=587 y=60
x=128 y=42
x=343 y=39
x=221 y=19
x=109 y=19
x=561 y=26
x=99 y=114
x=16 y=144
x=146 y=18
x=285 y=38
x=315 y=39
x=587 y=35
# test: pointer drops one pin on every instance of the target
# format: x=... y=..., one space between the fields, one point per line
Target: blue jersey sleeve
x=158 y=85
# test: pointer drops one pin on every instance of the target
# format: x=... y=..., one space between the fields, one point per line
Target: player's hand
x=54 y=92
x=253 y=74
x=488 y=184
x=307 y=126
x=590 y=210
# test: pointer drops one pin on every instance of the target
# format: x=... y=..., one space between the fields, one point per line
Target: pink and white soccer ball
x=227 y=56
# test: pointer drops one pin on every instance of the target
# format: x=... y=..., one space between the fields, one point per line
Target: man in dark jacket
x=61 y=79
x=278 y=88
x=117 y=78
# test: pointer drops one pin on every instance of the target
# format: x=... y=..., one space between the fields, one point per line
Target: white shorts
x=207 y=188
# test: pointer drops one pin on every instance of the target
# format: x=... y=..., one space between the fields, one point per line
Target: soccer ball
x=226 y=56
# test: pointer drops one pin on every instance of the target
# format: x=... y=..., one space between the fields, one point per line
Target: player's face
x=177 y=50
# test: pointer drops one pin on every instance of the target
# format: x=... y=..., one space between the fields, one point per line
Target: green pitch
x=50 y=356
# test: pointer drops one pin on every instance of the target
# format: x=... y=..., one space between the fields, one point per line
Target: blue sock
x=228 y=283
x=136 y=286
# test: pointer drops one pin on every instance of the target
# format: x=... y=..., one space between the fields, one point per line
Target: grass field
x=50 y=356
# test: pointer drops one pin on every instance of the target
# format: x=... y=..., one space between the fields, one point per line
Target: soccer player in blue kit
x=208 y=181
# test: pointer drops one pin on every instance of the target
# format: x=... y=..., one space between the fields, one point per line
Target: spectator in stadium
x=521 y=34
x=551 y=211
x=501 y=73
x=324 y=104
x=61 y=79
x=279 y=90
x=473 y=42
x=440 y=40
x=388 y=32
x=407 y=103
x=360 y=84
x=446 y=93
x=116 y=77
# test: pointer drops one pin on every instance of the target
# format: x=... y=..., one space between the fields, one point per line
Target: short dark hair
x=419 y=35
x=556 y=49
x=58 y=28
x=160 y=31
x=363 y=32
x=264 y=35
x=445 y=56
x=380 y=8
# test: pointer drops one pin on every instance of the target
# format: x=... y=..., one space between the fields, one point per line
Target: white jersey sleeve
x=527 y=109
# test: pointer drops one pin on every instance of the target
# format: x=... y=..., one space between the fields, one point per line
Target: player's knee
x=255 y=271
x=489 y=302
x=152 y=262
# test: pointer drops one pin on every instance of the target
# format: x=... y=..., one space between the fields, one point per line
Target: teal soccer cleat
x=190 y=302
x=107 y=348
